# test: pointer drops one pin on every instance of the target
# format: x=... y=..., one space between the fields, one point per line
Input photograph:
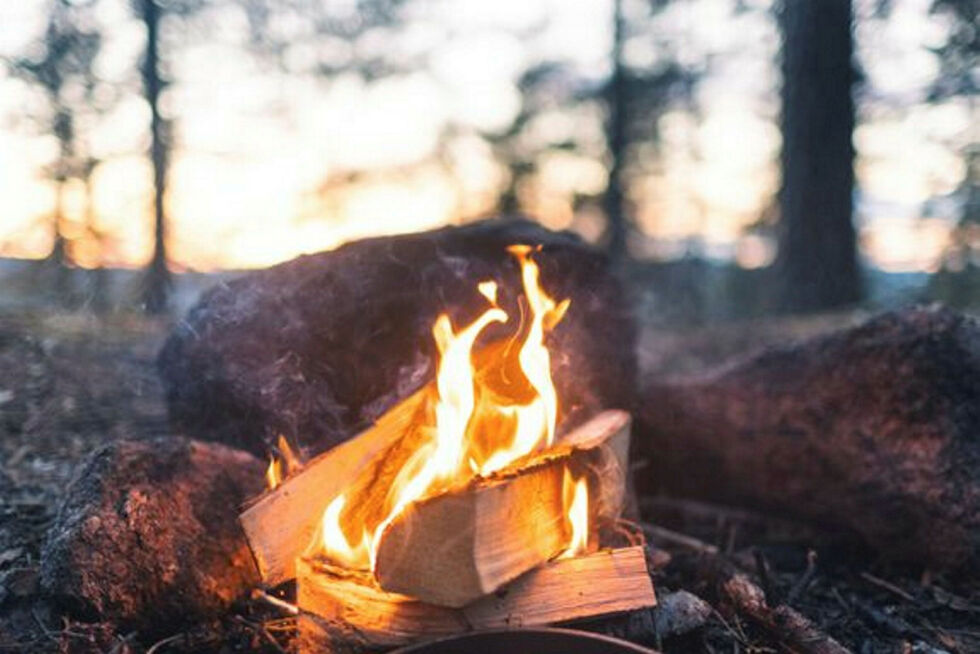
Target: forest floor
x=72 y=382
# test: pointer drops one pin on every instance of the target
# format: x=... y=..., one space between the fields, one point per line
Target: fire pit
x=464 y=506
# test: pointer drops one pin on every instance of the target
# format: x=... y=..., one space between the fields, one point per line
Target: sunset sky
x=262 y=168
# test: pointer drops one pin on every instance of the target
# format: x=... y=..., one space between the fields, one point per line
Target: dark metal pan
x=527 y=641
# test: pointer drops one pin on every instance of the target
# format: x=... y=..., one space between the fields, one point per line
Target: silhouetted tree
x=62 y=66
x=958 y=279
x=617 y=126
x=314 y=20
x=157 y=281
x=817 y=260
x=631 y=99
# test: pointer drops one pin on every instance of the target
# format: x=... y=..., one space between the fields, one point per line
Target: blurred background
x=736 y=157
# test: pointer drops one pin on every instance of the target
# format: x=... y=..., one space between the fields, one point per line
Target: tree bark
x=817 y=261
x=157 y=281
x=147 y=537
x=317 y=348
x=871 y=429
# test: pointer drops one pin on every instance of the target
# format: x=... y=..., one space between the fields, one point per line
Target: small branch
x=262 y=631
x=742 y=597
x=762 y=568
x=676 y=538
x=157 y=646
x=887 y=585
x=261 y=596
x=804 y=581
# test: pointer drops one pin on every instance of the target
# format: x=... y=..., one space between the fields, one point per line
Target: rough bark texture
x=875 y=429
x=148 y=536
x=817 y=262
x=318 y=347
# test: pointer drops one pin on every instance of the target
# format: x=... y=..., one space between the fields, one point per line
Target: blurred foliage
x=628 y=102
x=62 y=66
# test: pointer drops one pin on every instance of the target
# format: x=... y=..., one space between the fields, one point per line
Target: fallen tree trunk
x=148 y=538
x=873 y=429
x=317 y=348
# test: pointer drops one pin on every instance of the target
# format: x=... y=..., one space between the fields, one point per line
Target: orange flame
x=484 y=420
x=273 y=474
x=336 y=543
x=281 y=464
x=576 y=494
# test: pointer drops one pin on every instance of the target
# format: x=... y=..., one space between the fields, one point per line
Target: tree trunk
x=157 y=282
x=817 y=260
x=614 y=196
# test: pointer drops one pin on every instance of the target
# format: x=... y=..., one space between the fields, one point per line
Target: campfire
x=467 y=505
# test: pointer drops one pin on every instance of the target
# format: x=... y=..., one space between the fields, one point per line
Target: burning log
x=350 y=614
x=147 y=537
x=872 y=429
x=316 y=349
x=460 y=489
x=457 y=546
x=282 y=523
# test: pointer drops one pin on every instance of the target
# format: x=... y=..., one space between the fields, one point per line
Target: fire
x=334 y=540
x=486 y=416
x=576 y=495
x=273 y=474
x=281 y=464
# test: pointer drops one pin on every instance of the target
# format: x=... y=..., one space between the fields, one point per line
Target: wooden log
x=350 y=613
x=454 y=547
x=872 y=429
x=147 y=538
x=281 y=524
x=317 y=348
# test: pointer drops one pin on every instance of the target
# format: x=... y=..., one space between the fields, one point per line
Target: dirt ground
x=69 y=383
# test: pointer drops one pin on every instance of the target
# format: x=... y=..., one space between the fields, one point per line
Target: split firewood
x=460 y=545
x=318 y=348
x=148 y=536
x=281 y=524
x=872 y=429
x=343 y=612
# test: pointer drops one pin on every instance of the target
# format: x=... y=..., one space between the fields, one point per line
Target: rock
x=148 y=537
x=317 y=348
x=679 y=613
x=875 y=429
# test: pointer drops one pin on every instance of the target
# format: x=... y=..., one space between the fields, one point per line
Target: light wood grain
x=351 y=612
x=455 y=547
x=281 y=524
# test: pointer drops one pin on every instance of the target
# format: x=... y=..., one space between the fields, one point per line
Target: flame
x=576 y=495
x=334 y=540
x=485 y=417
x=282 y=463
x=273 y=474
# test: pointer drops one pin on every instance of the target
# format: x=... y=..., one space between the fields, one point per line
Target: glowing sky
x=260 y=173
